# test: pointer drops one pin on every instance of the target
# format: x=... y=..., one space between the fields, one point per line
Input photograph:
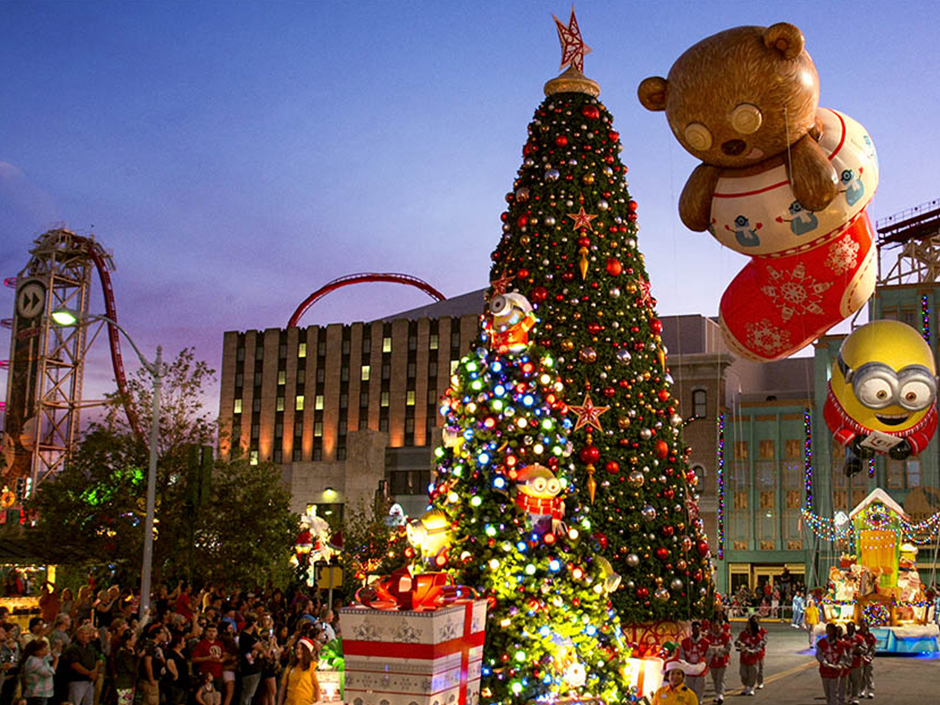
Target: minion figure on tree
x=516 y=530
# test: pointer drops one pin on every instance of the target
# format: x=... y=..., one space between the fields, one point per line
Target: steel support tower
x=44 y=382
x=917 y=232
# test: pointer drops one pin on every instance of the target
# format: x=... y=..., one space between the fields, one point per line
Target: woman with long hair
x=270 y=661
x=229 y=659
x=124 y=665
x=749 y=643
x=300 y=685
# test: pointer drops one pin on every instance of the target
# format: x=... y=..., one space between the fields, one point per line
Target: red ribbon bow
x=404 y=591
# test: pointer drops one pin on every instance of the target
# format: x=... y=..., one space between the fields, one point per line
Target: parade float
x=876 y=579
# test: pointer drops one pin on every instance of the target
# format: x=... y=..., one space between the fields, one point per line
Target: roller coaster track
x=362 y=278
x=99 y=257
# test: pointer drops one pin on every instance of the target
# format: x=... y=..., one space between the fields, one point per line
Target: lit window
x=238 y=406
x=302 y=350
x=386 y=345
x=282 y=376
x=410 y=398
x=280 y=404
x=433 y=342
x=254 y=457
x=384 y=401
x=453 y=366
x=318 y=429
x=318 y=403
x=366 y=371
x=299 y=402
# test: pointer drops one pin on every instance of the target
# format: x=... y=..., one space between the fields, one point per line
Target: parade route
x=791 y=675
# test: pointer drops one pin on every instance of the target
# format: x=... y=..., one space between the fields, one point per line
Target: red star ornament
x=588 y=414
x=582 y=220
x=501 y=284
x=573 y=48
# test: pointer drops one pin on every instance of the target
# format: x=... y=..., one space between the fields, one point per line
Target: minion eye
x=554 y=487
x=499 y=305
x=875 y=392
x=538 y=484
x=916 y=395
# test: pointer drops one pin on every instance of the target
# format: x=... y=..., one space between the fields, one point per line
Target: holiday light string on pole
x=925 y=317
x=808 y=456
x=721 y=486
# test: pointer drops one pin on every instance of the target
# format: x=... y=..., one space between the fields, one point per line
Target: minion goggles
x=877 y=385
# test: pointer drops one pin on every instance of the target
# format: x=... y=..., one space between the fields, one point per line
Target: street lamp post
x=157 y=371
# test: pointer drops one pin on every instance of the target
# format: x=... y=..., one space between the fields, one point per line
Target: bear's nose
x=733 y=147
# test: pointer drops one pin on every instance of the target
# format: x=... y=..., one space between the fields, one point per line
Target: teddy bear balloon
x=781 y=180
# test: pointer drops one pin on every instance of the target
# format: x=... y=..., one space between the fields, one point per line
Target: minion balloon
x=882 y=394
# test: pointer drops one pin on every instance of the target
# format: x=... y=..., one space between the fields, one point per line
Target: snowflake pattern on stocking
x=766 y=337
x=843 y=255
x=794 y=291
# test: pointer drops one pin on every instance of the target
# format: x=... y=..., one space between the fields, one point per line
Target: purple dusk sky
x=235 y=156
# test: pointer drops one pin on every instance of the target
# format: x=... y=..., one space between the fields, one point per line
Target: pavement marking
x=777 y=676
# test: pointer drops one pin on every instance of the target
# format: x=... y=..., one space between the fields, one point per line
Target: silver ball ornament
x=633 y=560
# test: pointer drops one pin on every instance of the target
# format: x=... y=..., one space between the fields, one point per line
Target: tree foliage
x=93 y=513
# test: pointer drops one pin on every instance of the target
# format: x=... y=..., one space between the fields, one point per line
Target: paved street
x=791 y=674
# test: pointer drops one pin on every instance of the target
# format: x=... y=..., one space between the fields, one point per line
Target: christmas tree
x=506 y=520
x=569 y=245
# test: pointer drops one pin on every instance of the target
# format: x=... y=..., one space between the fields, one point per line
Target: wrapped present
x=645 y=674
x=414 y=641
x=331 y=686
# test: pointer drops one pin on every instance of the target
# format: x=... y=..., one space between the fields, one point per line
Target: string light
x=808 y=455
x=925 y=317
x=721 y=486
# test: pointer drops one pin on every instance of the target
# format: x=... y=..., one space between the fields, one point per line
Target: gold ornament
x=623 y=422
x=567 y=344
x=583 y=264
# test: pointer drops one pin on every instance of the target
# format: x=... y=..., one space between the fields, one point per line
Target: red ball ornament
x=522 y=221
x=663 y=395
x=584 y=242
x=590 y=455
x=656 y=325
x=613 y=136
x=642 y=593
x=632 y=206
x=662 y=449
x=612 y=466
x=614 y=268
x=702 y=547
x=538 y=294
x=522 y=273
x=668 y=531
x=561 y=140
x=601 y=540
x=669 y=493
x=662 y=553
x=590 y=112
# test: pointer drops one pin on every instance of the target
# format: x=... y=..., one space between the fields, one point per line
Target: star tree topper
x=573 y=47
x=588 y=414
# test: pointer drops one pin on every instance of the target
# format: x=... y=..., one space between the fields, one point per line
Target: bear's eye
x=698 y=136
x=796 y=207
x=847 y=175
x=740 y=221
x=746 y=118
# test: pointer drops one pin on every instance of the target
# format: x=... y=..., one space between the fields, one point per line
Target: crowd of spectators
x=215 y=647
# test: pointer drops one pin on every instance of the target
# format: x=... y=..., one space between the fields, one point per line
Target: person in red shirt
x=829 y=653
x=694 y=650
x=207 y=655
x=868 y=658
x=719 y=656
x=856 y=644
x=761 y=653
x=749 y=643
x=183 y=605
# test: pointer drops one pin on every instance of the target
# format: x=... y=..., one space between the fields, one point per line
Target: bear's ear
x=652 y=93
x=785 y=38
